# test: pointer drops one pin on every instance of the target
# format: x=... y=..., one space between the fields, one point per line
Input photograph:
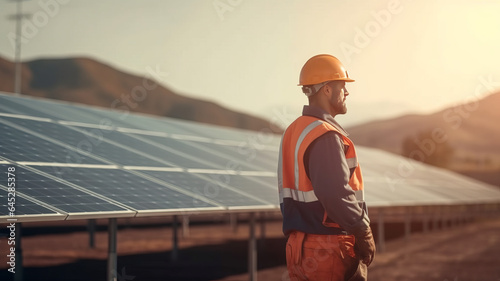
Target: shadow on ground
x=204 y=262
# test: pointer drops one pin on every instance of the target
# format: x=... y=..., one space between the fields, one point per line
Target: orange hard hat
x=322 y=68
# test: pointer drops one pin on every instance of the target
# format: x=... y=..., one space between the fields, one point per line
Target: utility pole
x=18 y=17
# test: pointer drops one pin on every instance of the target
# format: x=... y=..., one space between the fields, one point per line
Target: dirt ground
x=218 y=252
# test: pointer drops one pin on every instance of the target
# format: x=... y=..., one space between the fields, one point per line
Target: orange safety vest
x=297 y=197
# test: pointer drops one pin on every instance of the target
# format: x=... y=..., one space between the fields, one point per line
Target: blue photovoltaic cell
x=260 y=187
x=129 y=189
x=175 y=157
x=61 y=111
x=57 y=194
x=220 y=161
x=56 y=110
x=92 y=115
x=393 y=180
x=94 y=145
x=22 y=206
x=269 y=156
x=213 y=131
x=139 y=121
x=213 y=189
x=17 y=145
x=13 y=105
x=254 y=158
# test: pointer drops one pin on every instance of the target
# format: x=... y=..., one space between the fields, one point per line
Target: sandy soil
x=217 y=252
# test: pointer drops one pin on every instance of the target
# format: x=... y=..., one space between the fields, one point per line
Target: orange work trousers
x=320 y=257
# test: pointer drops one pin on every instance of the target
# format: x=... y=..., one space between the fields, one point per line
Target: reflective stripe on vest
x=293 y=181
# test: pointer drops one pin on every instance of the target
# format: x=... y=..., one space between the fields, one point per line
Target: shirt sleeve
x=329 y=173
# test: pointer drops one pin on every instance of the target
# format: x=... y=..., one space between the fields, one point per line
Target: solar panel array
x=75 y=162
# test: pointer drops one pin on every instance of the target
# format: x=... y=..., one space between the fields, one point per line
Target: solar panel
x=18 y=145
x=23 y=206
x=115 y=117
x=85 y=161
x=138 y=121
x=213 y=131
x=199 y=150
x=379 y=194
x=392 y=180
x=254 y=159
x=217 y=132
x=258 y=186
x=210 y=187
x=131 y=189
x=58 y=194
x=15 y=105
x=168 y=156
x=94 y=144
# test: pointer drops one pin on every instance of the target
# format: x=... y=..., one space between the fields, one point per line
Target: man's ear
x=327 y=90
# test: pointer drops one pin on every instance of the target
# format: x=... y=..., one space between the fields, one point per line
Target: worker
x=320 y=184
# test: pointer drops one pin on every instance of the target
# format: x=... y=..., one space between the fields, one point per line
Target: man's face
x=337 y=97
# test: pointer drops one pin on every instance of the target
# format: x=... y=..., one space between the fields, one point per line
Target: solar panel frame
x=253 y=185
x=248 y=154
x=96 y=182
x=30 y=209
x=93 y=144
x=51 y=109
x=161 y=153
x=215 y=190
x=138 y=120
x=15 y=105
x=220 y=161
x=75 y=202
x=385 y=185
x=40 y=145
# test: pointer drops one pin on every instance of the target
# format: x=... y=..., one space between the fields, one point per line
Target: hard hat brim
x=341 y=79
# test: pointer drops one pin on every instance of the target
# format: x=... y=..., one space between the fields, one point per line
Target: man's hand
x=365 y=247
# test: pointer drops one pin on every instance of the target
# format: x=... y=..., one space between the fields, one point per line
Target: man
x=320 y=183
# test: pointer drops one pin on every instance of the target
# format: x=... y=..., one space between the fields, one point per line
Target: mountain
x=87 y=81
x=471 y=130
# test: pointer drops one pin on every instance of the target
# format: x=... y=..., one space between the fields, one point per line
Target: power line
x=18 y=17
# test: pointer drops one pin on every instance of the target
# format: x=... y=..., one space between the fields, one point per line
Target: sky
x=406 y=56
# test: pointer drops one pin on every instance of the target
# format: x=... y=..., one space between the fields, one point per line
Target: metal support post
x=453 y=221
x=381 y=232
x=262 y=229
x=435 y=221
x=185 y=226
x=112 y=259
x=233 y=221
x=425 y=221
x=252 y=251
x=91 y=228
x=175 y=240
x=19 y=275
x=444 y=218
x=18 y=73
x=407 y=224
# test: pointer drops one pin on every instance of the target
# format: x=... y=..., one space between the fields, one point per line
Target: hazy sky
x=406 y=56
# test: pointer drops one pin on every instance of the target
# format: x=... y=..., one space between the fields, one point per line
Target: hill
x=470 y=130
x=87 y=81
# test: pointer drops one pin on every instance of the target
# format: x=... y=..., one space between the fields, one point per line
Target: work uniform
x=321 y=197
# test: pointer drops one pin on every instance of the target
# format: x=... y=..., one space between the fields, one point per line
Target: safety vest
x=300 y=207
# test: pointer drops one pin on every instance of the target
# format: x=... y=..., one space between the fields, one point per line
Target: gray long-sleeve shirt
x=329 y=173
